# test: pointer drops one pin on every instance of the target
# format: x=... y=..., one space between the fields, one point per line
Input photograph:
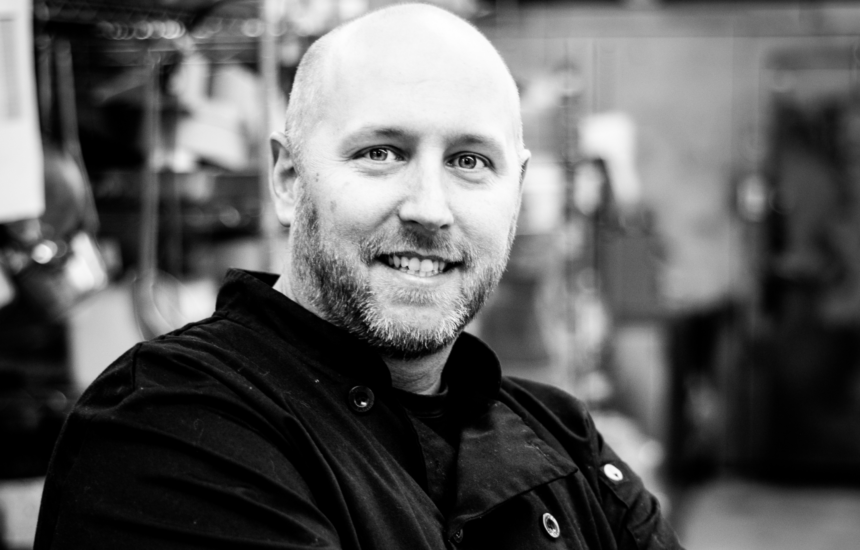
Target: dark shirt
x=266 y=427
x=439 y=435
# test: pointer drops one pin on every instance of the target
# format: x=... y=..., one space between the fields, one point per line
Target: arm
x=632 y=513
x=153 y=462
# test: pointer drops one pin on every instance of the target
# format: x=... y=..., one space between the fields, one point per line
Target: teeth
x=416 y=266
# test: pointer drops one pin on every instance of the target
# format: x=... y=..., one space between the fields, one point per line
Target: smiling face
x=409 y=185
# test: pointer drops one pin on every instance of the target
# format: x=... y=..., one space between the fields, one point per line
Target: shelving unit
x=139 y=44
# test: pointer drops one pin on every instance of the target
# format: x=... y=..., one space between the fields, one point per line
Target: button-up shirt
x=265 y=426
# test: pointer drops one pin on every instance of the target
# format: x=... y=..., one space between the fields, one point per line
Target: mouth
x=416 y=264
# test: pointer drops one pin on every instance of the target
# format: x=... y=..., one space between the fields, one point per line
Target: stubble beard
x=344 y=296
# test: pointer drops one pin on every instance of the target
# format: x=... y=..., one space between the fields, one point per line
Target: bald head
x=417 y=41
x=403 y=141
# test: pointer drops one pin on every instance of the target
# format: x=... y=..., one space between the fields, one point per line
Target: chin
x=411 y=346
x=413 y=332
x=427 y=318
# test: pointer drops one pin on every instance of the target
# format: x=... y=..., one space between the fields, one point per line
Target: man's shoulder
x=198 y=337
x=157 y=355
x=553 y=413
x=211 y=337
x=533 y=394
x=211 y=355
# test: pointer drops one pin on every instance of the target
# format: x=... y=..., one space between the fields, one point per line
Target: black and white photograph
x=430 y=275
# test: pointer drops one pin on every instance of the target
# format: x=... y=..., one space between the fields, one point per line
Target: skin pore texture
x=400 y=174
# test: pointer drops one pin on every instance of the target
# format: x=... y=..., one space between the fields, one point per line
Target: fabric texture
x=439 y=437
x=266 y=427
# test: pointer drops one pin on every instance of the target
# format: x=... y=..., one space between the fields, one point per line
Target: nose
x=426 y=204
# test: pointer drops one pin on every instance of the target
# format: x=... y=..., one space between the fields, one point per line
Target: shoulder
x=188 y=388
x=557 y=417
x=164 y=360
x=548 y=403
x=552 y=396
x=564 y=422
x=210 y=363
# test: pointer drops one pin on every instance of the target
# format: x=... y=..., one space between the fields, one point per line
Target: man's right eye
x=381 y=154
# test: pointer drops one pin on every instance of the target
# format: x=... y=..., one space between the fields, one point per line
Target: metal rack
x=87 y=12
x=154 y=37
x=226 y=31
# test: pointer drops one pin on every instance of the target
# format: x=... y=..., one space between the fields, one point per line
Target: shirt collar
x=472 y=373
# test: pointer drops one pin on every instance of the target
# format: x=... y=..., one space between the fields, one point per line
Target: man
x=338 y=405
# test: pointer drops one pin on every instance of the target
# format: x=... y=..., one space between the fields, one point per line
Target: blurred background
x=687 y=259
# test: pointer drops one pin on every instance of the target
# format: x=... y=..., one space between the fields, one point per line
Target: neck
x=422 y=375
x=283 y=286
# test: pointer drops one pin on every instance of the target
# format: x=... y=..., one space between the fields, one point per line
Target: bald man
x=339 y=404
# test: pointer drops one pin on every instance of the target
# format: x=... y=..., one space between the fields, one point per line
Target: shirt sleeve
x=159 y=464
x=633 y=511
x=633 y=514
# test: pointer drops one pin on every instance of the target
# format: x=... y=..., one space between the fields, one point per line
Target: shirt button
x=361 y=399
x=551 y=525
x=458 y=536
x=613 y=472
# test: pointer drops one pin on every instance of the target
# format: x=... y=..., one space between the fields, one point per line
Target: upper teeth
x=416 y=266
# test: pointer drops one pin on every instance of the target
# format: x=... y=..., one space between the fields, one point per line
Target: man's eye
x=470 y=162
x=381 y=154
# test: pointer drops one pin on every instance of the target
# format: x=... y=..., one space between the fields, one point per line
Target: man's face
x=408 y=198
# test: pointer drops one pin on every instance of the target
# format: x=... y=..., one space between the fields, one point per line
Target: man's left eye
x=470 y=162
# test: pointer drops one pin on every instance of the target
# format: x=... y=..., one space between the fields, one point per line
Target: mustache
x=427 y=244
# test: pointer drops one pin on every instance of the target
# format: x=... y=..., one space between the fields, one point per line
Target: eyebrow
x=376 y=132
x=486 y=142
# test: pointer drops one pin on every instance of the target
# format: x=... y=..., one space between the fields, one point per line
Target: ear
x=525 y=156
x=284 y=179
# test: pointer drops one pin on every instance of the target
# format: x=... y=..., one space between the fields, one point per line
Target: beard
x=335 y=286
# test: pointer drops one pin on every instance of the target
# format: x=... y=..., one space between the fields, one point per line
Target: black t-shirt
x=439 y=434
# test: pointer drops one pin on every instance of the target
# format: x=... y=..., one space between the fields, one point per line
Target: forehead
x=411 y=79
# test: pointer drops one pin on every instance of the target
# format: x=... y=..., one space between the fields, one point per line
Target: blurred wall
x=697 y=83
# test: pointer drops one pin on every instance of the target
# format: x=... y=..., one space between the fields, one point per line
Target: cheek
x=490 y=223
x=353 y=209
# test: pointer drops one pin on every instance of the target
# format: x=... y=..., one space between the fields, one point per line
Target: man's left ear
x=284 y=179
